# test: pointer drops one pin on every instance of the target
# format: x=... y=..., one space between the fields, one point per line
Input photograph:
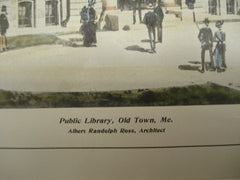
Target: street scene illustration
x=90 y=53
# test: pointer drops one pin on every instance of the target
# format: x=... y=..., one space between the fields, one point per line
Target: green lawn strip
x=32 y=40
x=206 y=94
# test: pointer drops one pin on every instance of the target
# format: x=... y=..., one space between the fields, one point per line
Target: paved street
x=110 y=66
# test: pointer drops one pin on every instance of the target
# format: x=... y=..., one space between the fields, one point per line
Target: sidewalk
x=117 y=63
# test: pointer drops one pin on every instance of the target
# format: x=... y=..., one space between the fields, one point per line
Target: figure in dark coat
x=136 y=3
x=88 y=29
x=205 y=36
x=160 y=15
x=4 y=25
x=150 y=19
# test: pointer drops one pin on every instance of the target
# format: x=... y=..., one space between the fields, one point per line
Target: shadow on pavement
x=188 y=67
x=194 y=62
x=138 y=48
x=81 y=45
x=197 y=67
x=146 y=41
x=76 y=42
x=76 y=39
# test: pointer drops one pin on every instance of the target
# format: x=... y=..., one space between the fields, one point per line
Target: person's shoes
x=212 y=69
x=134 y=20
x=201 y=70
x=224 y=66
x=211 y=65
x=219 y=70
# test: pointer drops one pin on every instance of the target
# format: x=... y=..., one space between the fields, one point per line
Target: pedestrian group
x=153 y=19
x=207 y=40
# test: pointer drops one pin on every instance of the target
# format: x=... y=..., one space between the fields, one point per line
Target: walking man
x=219 y=52
x=150 y=19
x=160 y=15
x=206 y=38
x=136 y=3
x=3 y=28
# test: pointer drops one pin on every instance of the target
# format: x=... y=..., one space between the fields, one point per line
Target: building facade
x=26 y=14
x=214 y=7
x=33 y=14
x=219 y=7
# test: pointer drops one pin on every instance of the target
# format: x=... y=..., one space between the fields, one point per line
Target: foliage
x=31 y=40
x=190 y=95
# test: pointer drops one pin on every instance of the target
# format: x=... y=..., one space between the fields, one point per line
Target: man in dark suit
x=136 y=3
x=150 y=19
x=160 y=15
x=3 y=28
x=205 y=36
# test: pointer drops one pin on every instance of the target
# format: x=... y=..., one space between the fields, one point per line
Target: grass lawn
x=190 y=95
x=31 y=40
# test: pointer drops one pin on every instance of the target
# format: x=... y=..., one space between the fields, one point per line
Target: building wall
x=221 y=6
x=112 y=3
x=38 y=12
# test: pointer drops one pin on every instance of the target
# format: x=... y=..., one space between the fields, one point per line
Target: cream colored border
x=217 y=127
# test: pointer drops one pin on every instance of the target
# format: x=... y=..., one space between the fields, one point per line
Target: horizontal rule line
x=123 y=147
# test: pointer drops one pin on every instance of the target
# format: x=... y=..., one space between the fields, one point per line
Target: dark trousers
x=159 y=31
x=224 y=57
x=151 y=30
x=122 y=3
x=139 y=11
x=203 y=56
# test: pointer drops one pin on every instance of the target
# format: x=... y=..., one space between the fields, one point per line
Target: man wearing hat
x=150 y=19
x=135 y=3
x=220 y=48
x=160 y=15
x=3 y=28
x=206 y=38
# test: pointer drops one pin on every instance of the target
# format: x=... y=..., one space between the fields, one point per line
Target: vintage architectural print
x=95 y=53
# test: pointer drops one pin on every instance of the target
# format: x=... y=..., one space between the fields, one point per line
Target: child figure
x=220 y=48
